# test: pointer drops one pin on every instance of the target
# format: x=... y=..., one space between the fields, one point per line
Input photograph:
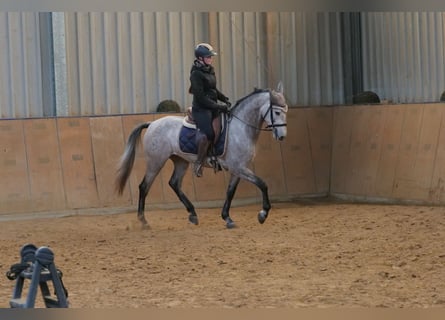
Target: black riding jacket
x=203 y=87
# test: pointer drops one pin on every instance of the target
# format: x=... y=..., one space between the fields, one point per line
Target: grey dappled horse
x=161 y=143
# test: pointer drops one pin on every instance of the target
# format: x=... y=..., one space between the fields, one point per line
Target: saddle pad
x=187 y=141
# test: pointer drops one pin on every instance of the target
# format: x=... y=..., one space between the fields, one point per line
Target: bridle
x=272 y=105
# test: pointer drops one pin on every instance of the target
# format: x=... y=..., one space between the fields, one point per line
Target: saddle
x=189 y=122
x=187 y=134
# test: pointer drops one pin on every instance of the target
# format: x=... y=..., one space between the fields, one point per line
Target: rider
x=205 y=97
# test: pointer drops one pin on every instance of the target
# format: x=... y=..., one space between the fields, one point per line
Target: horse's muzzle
x=280 y=133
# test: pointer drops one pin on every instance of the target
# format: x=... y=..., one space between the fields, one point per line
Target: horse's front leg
x=145 y=185
x=233 y=184
x=251 y=177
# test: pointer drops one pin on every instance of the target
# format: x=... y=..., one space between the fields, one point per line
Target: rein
x=269 y=127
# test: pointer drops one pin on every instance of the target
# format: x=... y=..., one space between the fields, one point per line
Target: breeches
x=203 y=119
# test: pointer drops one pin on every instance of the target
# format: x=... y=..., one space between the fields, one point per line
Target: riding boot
x=203 y=146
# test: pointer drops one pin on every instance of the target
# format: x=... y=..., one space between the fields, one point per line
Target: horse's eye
x=277 y=113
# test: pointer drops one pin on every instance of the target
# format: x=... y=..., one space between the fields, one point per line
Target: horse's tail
x=127 y=159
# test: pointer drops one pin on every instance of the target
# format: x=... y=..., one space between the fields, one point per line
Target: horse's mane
x=255 y=91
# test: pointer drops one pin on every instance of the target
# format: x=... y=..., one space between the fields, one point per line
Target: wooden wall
x=66 y=164
x=393 y=153
x=378 y=152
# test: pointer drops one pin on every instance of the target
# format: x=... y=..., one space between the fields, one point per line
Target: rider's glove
x=225 y=100
x=223 y=108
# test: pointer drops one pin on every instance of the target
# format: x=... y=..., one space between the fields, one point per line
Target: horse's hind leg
x=233 y=184
x=144 y=187
x=175 y=183
x=143 y=191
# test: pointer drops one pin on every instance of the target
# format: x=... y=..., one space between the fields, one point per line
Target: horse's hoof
x=193 y=220
x=145 y=226
x=262 y=216
x=230 y=224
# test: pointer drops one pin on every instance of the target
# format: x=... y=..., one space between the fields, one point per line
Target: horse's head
x=275 y=113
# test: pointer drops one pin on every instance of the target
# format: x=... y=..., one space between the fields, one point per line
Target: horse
x=245 y=120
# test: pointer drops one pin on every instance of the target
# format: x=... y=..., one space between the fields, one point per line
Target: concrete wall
x=392 y=153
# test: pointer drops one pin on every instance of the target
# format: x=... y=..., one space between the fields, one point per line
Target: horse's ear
x=280 y=87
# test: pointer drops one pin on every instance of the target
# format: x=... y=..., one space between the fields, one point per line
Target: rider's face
x=208 y=60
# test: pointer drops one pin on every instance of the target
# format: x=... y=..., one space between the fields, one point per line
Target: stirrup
x=197 y=169
x=214 y=163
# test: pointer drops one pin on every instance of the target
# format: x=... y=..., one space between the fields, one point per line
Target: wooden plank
x=427 y=149
x=44 y=164
x=297 y=161
x=77 y=163
x=353 y=176
x=389 y=149
x=406 y=186
x=108 y=142
x=341 y=148
x=320 y=124
x=437 y=188
x=15 y=195
x=374 y=116
x=365 y=150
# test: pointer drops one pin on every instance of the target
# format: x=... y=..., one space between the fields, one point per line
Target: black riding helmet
x=204 y=50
